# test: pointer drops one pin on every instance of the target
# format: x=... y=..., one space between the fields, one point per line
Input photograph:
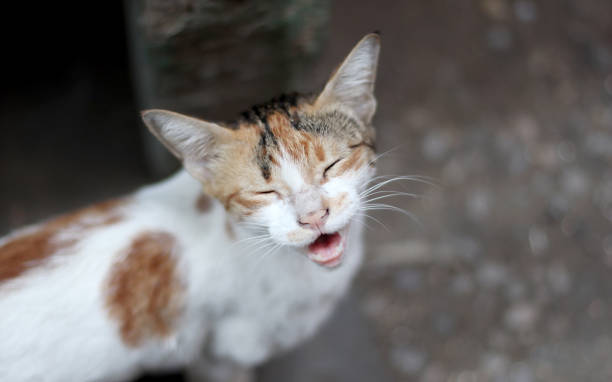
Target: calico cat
x=237 y=257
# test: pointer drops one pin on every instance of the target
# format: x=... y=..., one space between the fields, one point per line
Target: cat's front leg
x=241 y=340
x=234 y=347
x=206 y=369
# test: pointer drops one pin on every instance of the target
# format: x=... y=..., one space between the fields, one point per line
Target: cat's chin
x=327 y=249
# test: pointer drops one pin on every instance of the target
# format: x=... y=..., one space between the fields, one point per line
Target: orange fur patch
x=337 y=203
x=320 y=152
x=144 y=291
x=296 y=143
x=279 y=125
x=354 y=161
x=229 y=199
x=247 y=203
x=29 y=250
x=293 y=152
x=306 y=145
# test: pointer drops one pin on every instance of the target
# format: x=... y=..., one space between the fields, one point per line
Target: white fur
x=55 y=327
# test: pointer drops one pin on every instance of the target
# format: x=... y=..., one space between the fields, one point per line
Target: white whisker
x=392 y=194
x=378 y=156
x=380 y=184
x=252 y=238
x=273 y=249
x=382 y=206
x=373 y=218
x=362 y=222
x=260 y=245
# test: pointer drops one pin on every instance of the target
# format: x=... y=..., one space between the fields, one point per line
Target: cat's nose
x=314 y=219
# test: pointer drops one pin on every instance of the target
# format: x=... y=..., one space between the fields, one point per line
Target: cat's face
x=295 y=166
x=299 y=177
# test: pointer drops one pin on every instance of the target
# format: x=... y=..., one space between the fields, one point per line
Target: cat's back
x=91 y=288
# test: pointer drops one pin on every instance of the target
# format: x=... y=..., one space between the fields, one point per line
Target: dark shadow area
x=70 y=128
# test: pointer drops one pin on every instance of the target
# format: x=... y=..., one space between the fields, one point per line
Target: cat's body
x=249 y=307
x=172 y=276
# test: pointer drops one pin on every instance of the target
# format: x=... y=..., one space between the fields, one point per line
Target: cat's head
x=294 y=166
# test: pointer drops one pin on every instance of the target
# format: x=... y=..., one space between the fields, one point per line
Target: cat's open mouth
x=327 y=249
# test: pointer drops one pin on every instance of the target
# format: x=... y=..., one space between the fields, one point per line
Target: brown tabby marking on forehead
x=273 y=160
x=262 y=116
x=144 y=292
x=29 y=250
x=280 y=126
x=299 y=145
x=285 y=103
x=263 y=158
x=294 y=151
x=330 y=122
x=291 y=125
x=305 y=143
x=320 y=153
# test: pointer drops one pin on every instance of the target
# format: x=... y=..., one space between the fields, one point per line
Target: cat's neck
x=177 y=188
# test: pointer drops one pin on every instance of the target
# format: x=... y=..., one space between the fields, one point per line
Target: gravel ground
x=505 y=106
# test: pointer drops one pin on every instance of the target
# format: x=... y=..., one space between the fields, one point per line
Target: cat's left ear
x=353 y=82
x=193 y=141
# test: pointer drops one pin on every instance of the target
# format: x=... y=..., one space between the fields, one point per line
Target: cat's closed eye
x=330 y=167
x=268 y=192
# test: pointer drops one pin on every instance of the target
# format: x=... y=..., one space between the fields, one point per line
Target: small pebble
x=491 y=275
x=559 y=278
x=461 y=285
x=521 y=317
x=499 y=38
x=478 y=204
x=407 y=359
x=408 y=280
x=494 y=365
x=574 y=182
x=538 y=240
x=436 y=144
x=525 y=11
x=521 y=372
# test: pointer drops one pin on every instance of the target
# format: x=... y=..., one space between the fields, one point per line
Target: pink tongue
x=325 y=245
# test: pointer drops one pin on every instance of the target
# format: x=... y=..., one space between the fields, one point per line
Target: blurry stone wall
x=213 y=58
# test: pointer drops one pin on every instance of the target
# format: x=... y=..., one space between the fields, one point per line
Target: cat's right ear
x=193 y=141
x=352 y=84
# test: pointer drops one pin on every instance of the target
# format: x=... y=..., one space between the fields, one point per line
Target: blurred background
x=506 y=104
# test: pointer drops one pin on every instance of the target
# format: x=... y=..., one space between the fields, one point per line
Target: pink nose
x=314 y=219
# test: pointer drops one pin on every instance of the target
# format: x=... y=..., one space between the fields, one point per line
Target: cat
x=239 y=256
